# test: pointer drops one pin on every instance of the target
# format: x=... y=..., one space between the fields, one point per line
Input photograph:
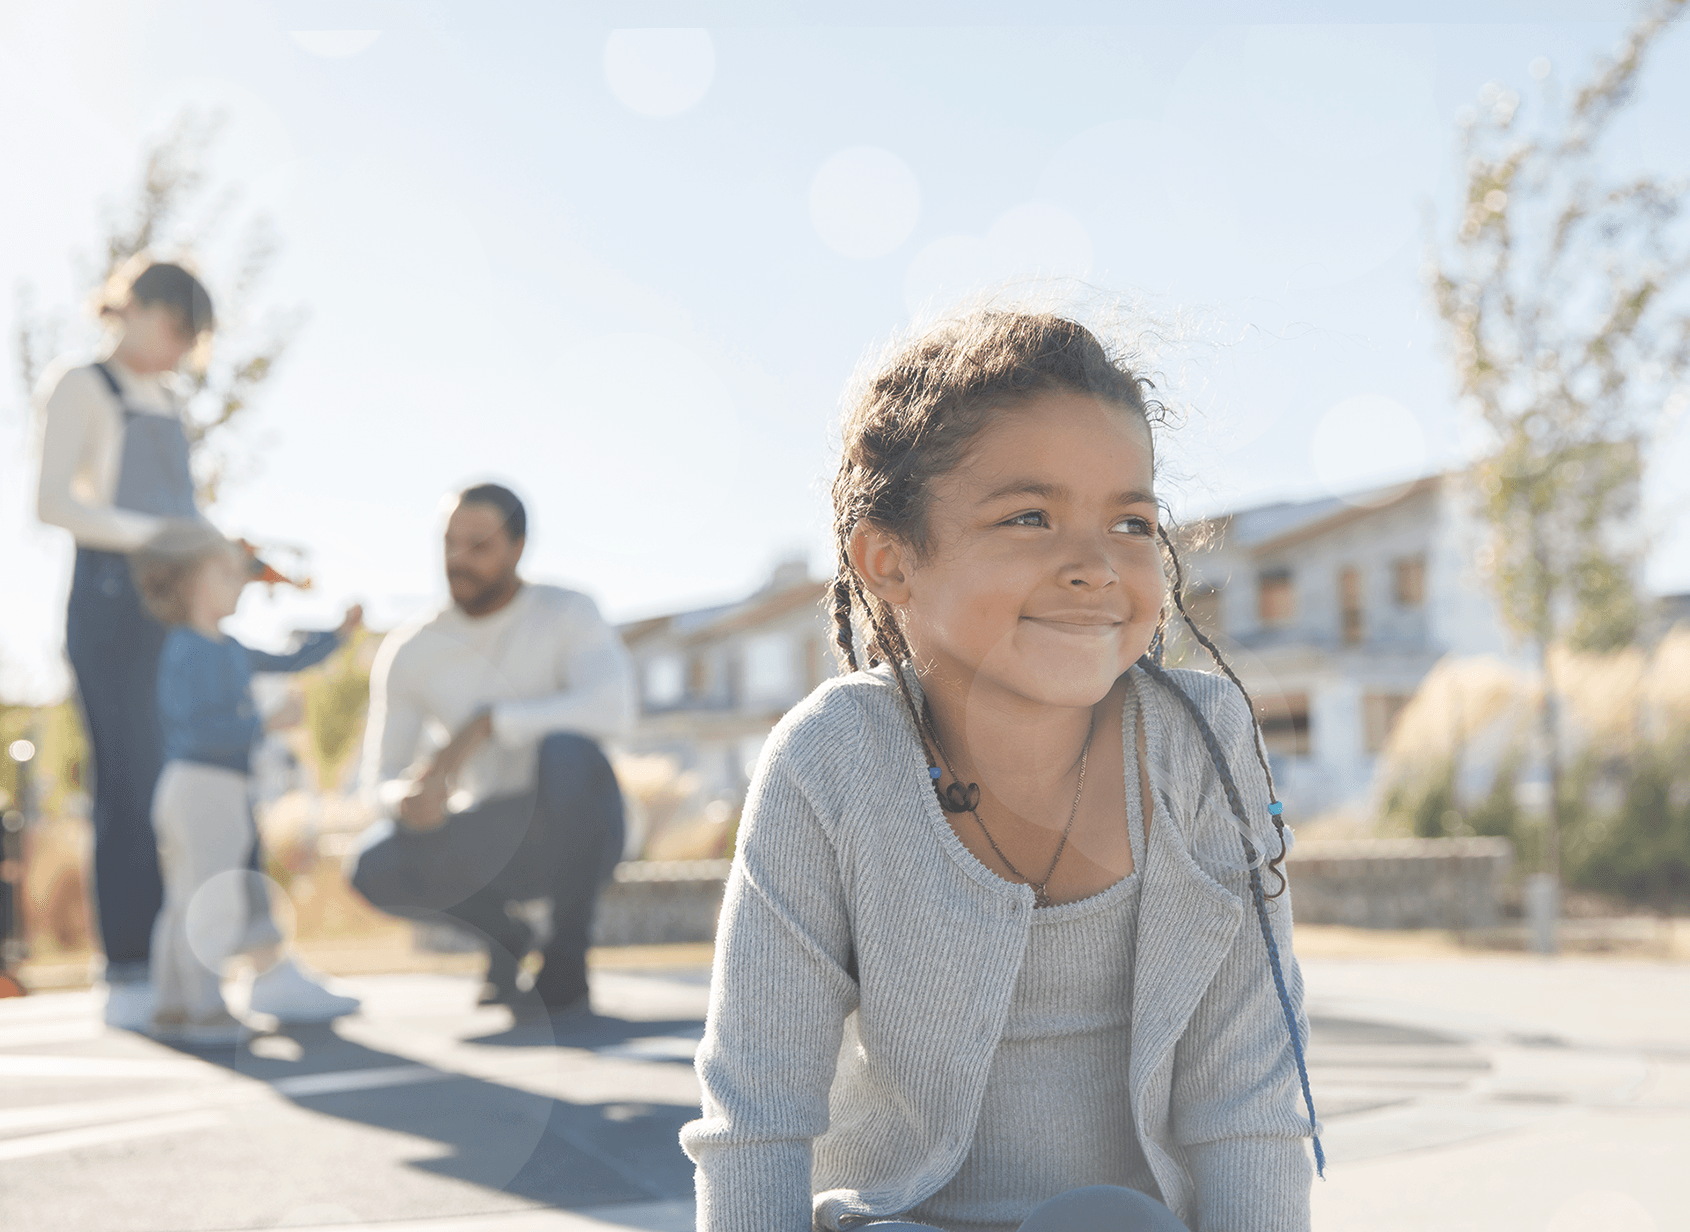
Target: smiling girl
x=995 y=951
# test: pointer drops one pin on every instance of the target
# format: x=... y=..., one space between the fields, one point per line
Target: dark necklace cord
x=957 y=798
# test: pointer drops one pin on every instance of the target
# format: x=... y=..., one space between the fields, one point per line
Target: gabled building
x=1333 y=611
x=714 y=681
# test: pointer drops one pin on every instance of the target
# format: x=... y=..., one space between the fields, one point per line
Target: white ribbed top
x=1056 y=1115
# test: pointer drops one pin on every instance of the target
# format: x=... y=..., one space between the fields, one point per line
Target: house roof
x=679 y=624
x=1286 y=523
x=764 y=608
x=1350 y=509
x=700 y=625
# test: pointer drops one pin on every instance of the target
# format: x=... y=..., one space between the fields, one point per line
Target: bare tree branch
x=176 y=211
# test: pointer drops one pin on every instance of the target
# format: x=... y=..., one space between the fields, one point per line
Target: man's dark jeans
x=559 y=841
x=114 y=648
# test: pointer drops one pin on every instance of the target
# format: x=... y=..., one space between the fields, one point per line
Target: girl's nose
x=1089 y=568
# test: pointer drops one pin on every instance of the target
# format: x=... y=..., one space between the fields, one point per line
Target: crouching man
x=482 y=752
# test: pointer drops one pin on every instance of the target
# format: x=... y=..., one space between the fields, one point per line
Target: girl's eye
x=1032 y=517
x=1136 y=526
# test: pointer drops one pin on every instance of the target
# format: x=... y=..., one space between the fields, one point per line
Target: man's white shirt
x=545 y=662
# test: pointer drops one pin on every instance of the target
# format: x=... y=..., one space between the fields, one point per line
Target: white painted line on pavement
x=653 y=1048
x=14 y=1120
x=97 y=1135
x=30 y=1065
x=93 y=1111
x=64 y=1005
x=674 y=1215
x=22 y=1035
x=305 y=1085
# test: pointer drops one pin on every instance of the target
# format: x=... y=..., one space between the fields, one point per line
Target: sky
x=629 y=267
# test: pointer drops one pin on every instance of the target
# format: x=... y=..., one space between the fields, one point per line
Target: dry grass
x=1481 y=705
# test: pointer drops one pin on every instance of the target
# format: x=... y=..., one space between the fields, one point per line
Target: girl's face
x=154 y=338
x=1043 y=580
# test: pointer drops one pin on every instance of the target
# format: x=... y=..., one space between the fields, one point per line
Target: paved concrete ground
x=1480 y=1093
x=1556 y=1097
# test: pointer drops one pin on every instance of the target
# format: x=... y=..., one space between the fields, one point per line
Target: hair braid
x=1257 y=743
x=842 y=633
x=1236 y=802
x=954 y=797
x=886 y=643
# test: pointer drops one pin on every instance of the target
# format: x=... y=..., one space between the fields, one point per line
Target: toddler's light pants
x=215 y=906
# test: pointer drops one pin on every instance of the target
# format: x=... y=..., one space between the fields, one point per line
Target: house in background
x=714 y=681
x=1333 y=611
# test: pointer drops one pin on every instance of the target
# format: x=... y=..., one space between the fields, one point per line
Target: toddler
x=190 y=578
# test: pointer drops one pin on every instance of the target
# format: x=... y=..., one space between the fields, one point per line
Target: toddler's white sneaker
x=296 y=995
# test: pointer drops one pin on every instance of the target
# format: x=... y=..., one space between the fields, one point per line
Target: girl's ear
x=881 y=561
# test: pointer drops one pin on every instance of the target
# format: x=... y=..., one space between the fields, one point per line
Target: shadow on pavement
x=530 y=1146
x=592 y=1031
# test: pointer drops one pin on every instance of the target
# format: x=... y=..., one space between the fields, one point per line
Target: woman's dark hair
x=505 y=501
x=171 y=285
x=913 y=421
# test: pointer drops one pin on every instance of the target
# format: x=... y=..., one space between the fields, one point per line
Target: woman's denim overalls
x=114 y=647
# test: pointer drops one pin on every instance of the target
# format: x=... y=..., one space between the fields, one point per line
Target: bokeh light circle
x=222 y=909
x=864 y=202
x=659 y=73
x=1365 y=442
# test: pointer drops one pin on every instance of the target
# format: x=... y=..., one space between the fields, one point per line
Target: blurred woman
x=114 y=472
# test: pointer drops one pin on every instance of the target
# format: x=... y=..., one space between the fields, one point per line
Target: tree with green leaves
x=178 y=212
x=1562 y=291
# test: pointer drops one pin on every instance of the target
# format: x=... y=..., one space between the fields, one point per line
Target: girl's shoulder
x=854 y=722
x=1215 y=697
x=1188 y=767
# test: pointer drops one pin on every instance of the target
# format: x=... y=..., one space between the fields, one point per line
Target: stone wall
x=1401 y=883
x=657 y=902
x=1376 y=883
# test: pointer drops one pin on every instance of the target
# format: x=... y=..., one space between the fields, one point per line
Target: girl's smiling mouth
x=1081 y=621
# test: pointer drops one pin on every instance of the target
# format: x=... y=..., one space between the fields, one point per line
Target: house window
x=1275 y=600
x=1408 y=584
x=1349 y=604
x=770 y=669
x=1203 y=605
x=1285 y=726
x=1380 y=712
x=665 y=680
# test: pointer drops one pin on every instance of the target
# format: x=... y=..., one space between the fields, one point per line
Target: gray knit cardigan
x=865 y=963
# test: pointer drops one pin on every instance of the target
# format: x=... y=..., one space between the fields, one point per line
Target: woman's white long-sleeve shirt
x=81 y=438
x=866 y=963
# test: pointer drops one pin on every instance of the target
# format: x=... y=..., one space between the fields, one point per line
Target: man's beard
x=484 y=595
